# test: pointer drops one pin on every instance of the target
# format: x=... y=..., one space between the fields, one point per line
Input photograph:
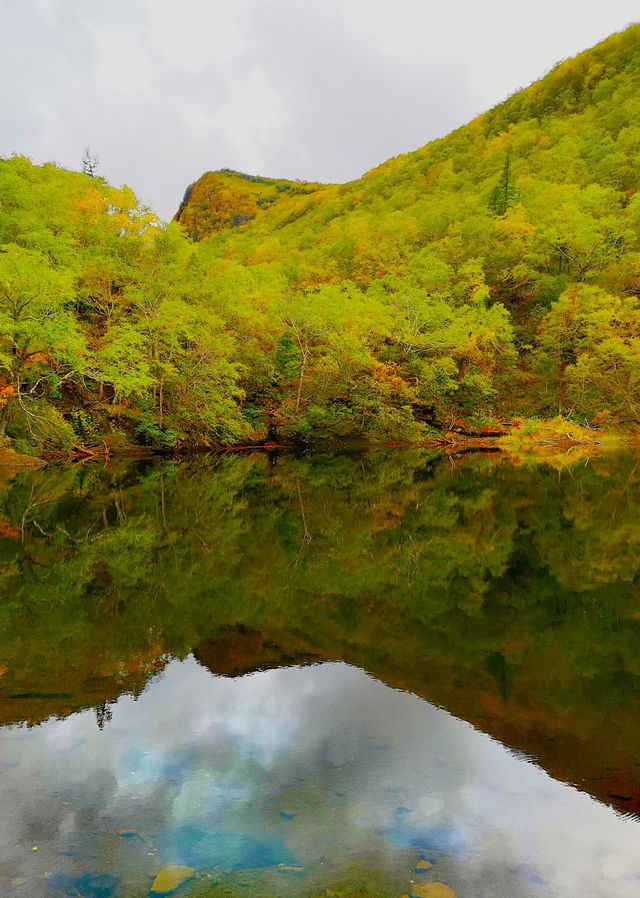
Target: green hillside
x=492 y=274
x=521 y=172
x=226 y=199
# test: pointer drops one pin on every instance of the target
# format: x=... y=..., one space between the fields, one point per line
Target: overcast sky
x=163 y=90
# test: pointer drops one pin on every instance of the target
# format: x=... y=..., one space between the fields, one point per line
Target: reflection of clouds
x=368 y=773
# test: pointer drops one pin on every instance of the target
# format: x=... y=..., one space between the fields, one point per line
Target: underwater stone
x=432 y=890
x=129 y=834
x=169 y=878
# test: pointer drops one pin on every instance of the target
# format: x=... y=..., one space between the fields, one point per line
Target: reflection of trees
x=593 y=538
x=510 y=583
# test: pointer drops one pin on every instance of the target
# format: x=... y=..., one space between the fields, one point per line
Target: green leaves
x=40 y=341
x=122 y=362
x=444 y=287
x=589 y=344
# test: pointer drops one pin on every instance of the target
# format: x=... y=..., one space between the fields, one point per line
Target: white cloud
x=194 y=34
x=124 y=65
x=254 y=118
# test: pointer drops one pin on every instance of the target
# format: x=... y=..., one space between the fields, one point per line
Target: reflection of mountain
x=32 y=697
x=236 y=651
x=597 y=764
x=494 y=591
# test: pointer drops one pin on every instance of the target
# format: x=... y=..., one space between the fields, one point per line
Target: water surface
x=301 y=674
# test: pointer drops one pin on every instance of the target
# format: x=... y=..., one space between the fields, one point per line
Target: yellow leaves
x=91 y=204
x=594 y=73
x=103 y=211
x=386 y=379
x=265 y=252
x=213 y=205
x=498 y=146
x=515 y=226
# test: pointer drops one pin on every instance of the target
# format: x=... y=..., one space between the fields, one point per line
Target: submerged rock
x=432 y=890
x=423 y=864
x=130 y=834
x=11 y=459
x=290 y=870
x=169 y=878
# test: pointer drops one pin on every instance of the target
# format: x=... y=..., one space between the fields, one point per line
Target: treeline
x=492 y=274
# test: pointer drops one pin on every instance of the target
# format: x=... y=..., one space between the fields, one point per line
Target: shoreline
x=516 y=443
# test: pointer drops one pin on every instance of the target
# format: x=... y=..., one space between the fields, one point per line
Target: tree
x=504 y=193
x=90 y=163
x=589 y=347
x=40 y=342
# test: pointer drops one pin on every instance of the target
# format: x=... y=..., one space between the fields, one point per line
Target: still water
x=362 y=674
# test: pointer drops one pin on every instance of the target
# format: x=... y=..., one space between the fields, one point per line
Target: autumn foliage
x=490 y=275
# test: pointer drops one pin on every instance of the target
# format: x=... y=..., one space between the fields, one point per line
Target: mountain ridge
x=563 y=86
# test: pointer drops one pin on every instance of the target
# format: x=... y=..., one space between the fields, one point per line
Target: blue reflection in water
x=433 y=838
x=88 y=885
x=199 y=847
x=299 y=774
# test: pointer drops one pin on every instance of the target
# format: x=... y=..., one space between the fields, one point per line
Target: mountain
x=490 y=276
x=533 y=201
x=539 y=190
x=227 y=198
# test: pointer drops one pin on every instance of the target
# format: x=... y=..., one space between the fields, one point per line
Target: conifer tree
x=504 y=193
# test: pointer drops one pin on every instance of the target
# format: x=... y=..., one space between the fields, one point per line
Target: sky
x=323 y=90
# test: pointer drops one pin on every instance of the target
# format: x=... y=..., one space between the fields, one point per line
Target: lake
x=371 y=673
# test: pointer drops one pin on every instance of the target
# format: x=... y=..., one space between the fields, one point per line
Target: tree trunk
x=300 y=379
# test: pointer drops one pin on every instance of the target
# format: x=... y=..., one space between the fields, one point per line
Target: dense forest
x=491 y=275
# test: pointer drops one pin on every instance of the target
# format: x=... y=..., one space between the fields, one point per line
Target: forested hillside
x=226 y=199
x=494 y=273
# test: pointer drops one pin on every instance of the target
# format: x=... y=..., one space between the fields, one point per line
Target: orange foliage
x=213 y=206
x=8 y=530
x=6 y=392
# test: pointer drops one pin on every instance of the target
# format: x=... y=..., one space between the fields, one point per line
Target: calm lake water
x=350 y=675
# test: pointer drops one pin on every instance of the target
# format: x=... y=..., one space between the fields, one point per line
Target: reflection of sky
x=314 y=766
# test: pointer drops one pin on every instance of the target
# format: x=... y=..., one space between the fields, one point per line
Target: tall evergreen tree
x=504 y=193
